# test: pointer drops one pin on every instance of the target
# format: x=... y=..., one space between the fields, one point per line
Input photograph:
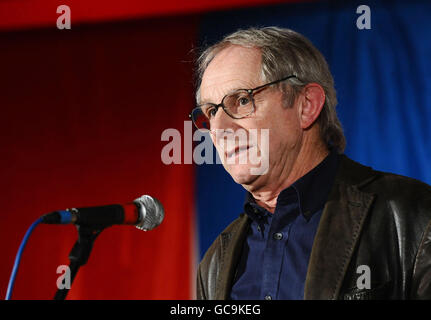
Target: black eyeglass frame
x=249 y=91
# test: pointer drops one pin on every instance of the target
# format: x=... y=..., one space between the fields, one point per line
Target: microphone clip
x=80 y=253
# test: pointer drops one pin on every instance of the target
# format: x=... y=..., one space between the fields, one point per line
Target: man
x=316 y=225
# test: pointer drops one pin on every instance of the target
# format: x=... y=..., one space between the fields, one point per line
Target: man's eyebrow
x=205 y=101
x=202 y=102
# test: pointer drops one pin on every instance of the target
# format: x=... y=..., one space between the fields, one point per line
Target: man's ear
x=313 y=99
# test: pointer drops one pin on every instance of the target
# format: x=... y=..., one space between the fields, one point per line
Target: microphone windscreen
x=152 y=212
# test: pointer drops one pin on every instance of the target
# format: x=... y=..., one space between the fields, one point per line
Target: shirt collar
x=312 y=190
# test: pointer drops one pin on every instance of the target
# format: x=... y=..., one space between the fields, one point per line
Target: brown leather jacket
x=371 y=218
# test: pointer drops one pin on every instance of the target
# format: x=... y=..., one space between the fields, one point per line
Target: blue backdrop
x=383 y=82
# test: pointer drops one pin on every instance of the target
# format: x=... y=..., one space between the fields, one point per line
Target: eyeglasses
x=237 y=105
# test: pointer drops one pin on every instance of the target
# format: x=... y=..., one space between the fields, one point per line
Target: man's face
x=233 y=68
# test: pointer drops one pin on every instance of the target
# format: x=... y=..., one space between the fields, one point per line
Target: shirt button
x=268 y=297
x=278 y=236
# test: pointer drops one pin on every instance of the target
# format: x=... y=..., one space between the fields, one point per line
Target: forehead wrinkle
x=231 y=69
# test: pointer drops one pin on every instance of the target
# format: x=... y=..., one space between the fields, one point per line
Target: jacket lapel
x=339 y=229
x=232 y=243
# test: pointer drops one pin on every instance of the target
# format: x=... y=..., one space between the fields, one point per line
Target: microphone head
x=151 y=212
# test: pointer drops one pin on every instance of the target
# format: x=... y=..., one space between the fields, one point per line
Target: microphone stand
x=79 y=254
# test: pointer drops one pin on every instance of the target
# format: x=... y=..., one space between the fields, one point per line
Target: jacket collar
x=339 y=229
x=311 y=191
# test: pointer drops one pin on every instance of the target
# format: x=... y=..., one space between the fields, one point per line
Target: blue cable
x=18 y=258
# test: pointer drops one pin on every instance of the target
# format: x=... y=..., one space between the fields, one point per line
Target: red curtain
x=82 y=113
x=17 y=14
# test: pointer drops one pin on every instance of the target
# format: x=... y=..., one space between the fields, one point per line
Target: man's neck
x=307 y=159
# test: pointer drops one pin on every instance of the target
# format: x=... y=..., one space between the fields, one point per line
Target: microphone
x=145 y=213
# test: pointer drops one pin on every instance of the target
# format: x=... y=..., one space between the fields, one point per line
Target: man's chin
x=241 y=174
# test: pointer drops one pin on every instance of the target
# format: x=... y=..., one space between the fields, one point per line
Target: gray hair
x=286 y=52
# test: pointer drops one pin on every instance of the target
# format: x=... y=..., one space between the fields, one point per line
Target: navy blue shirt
x=274 y=259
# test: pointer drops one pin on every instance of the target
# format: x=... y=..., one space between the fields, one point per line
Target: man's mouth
x=237 y=151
